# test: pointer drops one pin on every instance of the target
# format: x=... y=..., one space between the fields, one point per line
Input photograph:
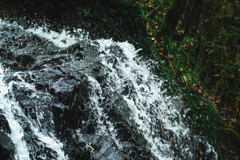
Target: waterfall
x=9 y=108
x=101 y=95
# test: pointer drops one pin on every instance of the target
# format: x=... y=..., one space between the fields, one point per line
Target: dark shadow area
x=102 y=19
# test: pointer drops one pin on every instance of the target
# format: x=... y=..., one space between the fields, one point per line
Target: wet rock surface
x=4 y=124
x=6 y=147
x=60 y=93
x=81 y=95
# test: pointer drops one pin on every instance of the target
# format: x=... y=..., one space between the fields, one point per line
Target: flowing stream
x=60 y=91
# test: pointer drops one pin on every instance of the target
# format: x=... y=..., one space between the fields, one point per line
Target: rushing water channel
x=67 y=97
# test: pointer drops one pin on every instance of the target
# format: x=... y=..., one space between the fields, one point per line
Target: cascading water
x=69 y=97
x=9 y=108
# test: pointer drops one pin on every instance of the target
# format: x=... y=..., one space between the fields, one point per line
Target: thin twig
x=152 y=11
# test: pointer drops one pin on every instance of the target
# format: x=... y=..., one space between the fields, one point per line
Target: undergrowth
x=179 y=65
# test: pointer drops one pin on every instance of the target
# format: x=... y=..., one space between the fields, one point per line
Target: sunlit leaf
x=199 y=91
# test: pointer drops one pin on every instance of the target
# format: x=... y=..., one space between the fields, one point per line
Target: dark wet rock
x=76 y=148
x=118 y=113
x=6 y=147
x=118 y=108
x=61 y=93
x=25 y=60
x=104 y=148
x=78 y=151
x=4 y=124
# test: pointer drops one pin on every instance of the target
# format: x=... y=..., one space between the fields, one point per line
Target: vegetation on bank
x=197 y=43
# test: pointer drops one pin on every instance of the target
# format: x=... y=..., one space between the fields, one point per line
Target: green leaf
x=187 y=40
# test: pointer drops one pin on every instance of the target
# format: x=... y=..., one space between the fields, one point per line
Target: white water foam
x=63 y=39
x=9 y=107
x=99 y=113
x=148 y=105
x=44 y=136
x=145 y=112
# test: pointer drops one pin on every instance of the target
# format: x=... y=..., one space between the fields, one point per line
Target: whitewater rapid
x=149 y=106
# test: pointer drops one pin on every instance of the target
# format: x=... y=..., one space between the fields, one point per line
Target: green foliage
x=196 y=58
x=4 y=12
